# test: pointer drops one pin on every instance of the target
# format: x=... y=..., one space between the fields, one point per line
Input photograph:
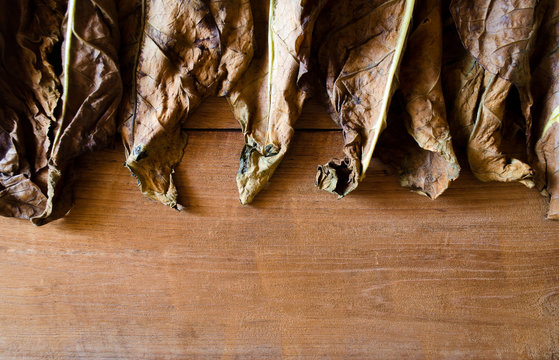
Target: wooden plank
x=381 y=274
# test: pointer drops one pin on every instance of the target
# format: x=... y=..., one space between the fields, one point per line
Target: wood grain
x=381 y=274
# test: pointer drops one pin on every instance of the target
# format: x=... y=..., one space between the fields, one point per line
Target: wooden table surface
x=381 y=274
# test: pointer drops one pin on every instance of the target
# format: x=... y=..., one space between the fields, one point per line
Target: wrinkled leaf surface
x=546 y=91
x=176 y=54
x=428 y=171
x=269 y=97
x=499 y=37
x=359 y=45
x=29 y=89
x=91 y=92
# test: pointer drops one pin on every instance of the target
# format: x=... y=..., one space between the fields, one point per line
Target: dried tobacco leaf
x=176 y=54
x=423 y=171
x=500 y=35
x=462 y=84
x=29 y=88
x=359 y=45
x=430 y=170
x=130 y=23
x=487 y=162
x=476 y=114
x=91 y=92
x=546 y=107
x=269 y=97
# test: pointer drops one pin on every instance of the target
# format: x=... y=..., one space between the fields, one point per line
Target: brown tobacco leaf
x=423 y=171
x=546 y=113
x=269 y=97
x=428 y=172
x=29 y=31
x=500 y=35
x=176 y=54
x=477 y=97
x=486 y=160
x=92 y=90
x=463 y=81
x=359 y=45
x=547 y=150
x=130 y=23
x=477 y=104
